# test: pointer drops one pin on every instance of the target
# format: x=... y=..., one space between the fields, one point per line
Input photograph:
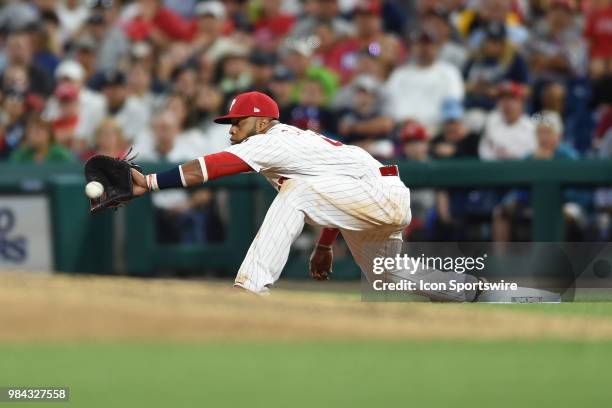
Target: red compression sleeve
x=224 y=164
x=328 y=236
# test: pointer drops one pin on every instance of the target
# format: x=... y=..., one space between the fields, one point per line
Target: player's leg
x=269 y=250
x=356 y=204
x=368 y=245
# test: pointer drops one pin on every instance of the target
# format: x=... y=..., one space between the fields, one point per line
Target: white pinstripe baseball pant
x=370 y=212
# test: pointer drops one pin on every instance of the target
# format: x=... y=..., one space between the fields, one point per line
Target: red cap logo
x=250 y=104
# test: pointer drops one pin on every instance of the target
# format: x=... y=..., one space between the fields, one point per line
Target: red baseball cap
x=513 y=89
x=413 y=132
x=250 y=104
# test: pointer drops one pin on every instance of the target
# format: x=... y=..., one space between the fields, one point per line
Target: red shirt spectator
x=163 y=19
x=272 y=24
x=369 y=38
x=598 y=32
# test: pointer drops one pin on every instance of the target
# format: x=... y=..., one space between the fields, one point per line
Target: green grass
x=595 y=309
x=408 y=374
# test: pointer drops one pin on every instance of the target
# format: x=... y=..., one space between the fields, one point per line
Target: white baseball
x=94 y=189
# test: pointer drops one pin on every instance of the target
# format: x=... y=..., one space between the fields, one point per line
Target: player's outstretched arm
x=193 y=173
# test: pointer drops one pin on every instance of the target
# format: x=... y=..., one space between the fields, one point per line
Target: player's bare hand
x=139 y=183
x=321 y=261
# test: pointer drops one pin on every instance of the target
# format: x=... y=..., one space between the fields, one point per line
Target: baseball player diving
x=320 y=182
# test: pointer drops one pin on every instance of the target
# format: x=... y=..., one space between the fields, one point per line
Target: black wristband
x=170 y=179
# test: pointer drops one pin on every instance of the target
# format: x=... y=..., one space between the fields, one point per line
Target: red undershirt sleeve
x=328 y=236
x=224 y=164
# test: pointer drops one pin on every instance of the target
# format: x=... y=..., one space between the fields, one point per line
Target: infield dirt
x=42 y=308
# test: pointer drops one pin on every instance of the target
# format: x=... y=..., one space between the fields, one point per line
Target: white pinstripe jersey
x=288 y=152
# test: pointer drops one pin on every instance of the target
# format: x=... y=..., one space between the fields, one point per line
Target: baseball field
x=120 y=342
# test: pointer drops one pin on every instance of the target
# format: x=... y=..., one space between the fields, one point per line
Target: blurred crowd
x=416 y=80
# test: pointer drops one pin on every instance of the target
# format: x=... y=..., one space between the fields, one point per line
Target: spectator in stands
x=112 y=45
x=369 y=35
x=17 y=14
x=68 y=117
x=326 y=41
x=46 y=44
x=139 y=83
x=415 y=141
x=363 y=123
x=417 y=90
x=281 y=86
x=298 y=59
x=271 y=24
x=151 y=20
x=234 y=73
x=556 y=48
x=311 y=111
x=262 y=70
x=131 y=114
x=415 y=147
x=72 y=14
x=511 y=218
x=317 y=11
x=452 y=49
x=558 y=60
x=39 y=146
x=15 y=77
x=85 y=48
x=170 y=59
x=497 y=60
x=91 y=105
x=12 y=120
x=472 y=22
x=549 y=132
x=210 y=38
x=109 y=141
x=179 y=215
x=369 y=63
x=207 y=106
x=19 y=52
x=599 y=37
x=455 y=141
x=185 y=81
x=509 y=134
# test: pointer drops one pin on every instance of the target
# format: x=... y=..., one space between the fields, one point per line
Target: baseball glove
x=115 y=175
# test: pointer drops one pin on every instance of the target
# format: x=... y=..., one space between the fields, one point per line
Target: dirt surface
x=40 y=308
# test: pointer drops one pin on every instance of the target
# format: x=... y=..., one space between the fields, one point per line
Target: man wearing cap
x=131 y=113
x=91 y=104
x=298 y=57
x=362 y=122
x=19 y=51
x=320 y=182
x=12 y=122
x=497 y=60
x=429 y=80
x=65 y=124
x=370 y=37
x=509 y=134
x=211 y=22
x=455 y=140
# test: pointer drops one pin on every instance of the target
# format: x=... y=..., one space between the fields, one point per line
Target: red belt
x=385 y=171
x=390 y=170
